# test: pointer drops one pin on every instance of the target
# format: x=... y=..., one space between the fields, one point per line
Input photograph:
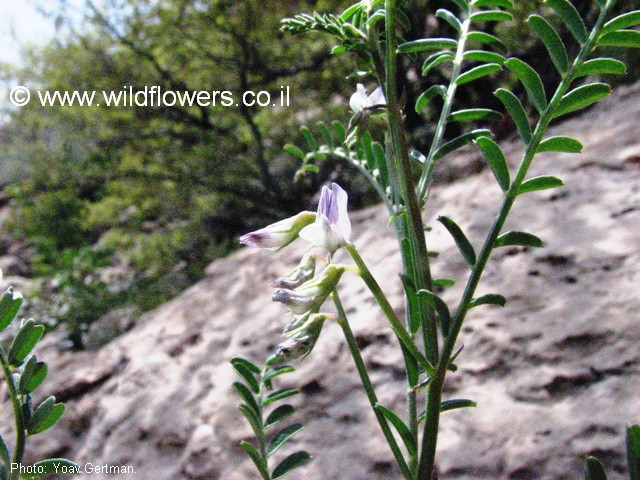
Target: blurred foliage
x=161 y=191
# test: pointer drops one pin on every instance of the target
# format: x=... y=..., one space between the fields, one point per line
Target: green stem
x=425 y=178
x=402 y=166
x=368 y=386
x=17 y=414
x=387 y=309
x=262 y=447
x=427 y=457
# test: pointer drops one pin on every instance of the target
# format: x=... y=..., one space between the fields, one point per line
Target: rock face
x=556 y=373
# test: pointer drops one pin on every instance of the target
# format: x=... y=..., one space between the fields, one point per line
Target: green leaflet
x=293 y=150
x=484 y=56
x=459 y=142
x=249 y=377
x=496 y=160
x=463 y=243
x=478 y=72
x=246 y=395
x=277 y=371
x=309 y=138
x=620 y=38
x=290 y=463
x=487 y=39
x=252 y=418
x=531 y=82
x=45 y=416
x=571 y=18
x=443 y=282
x=246 y=363
x=626 y=20
x=473 y=114
x=552 y=41
x=325 y=133
x=24 y=341
x=256 y=458
x=491 y=16
x=542 y=182
x=436 y=59
x=456 y=403
x=493 y=3
x=427 y=44
x=560 y=144
x=599 y=66
x=462 y=4
x=450 y=18
x=9 y=306
x=428 y=95
x=516 y=110
x=280 y=394
x=488 y=299
x=33 y=375
x=581 y=97
x=404 y=432
x=278 y=414
x=520 y=239
x=594 y=470
x=282 y=437
x=440 y=306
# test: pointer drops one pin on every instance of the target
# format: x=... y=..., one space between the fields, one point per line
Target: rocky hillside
x=556 y=374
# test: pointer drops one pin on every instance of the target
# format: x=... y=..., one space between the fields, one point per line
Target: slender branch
x=368 y=386
x=423 y=184
x=427 y=460
x=402 y=166
x=261 y=439
x=21 y=428
x=396 y=324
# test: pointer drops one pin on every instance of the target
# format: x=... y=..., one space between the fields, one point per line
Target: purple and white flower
x=360 y=100
x=280 y=234
x=332 y=227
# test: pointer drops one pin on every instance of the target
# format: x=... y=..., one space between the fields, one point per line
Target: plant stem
x=427 y=457
x=368 y=386
x=21 y=428
x=261 y=438
x=402 y=166
x=396 y=324
x=425 y=178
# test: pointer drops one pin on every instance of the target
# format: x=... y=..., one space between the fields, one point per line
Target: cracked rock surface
x=556 y=373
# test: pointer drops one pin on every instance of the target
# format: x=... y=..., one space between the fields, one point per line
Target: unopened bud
x=299 y=275
x=312 y=293
x=302 y=339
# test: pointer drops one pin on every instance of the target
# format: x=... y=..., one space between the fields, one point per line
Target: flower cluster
x=302 y=291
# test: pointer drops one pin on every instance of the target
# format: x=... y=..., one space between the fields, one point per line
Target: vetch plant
x=429 y=333
x=23 y=374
